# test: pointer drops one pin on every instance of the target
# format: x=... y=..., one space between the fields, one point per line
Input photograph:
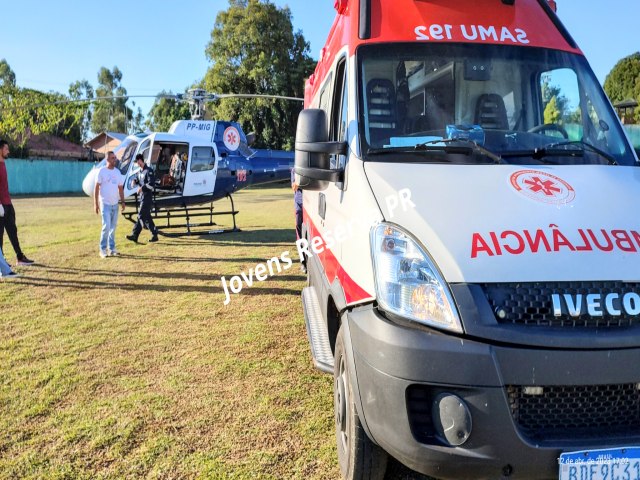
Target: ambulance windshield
x=524 y=104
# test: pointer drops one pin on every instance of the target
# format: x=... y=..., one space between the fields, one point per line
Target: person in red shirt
x=8 y=222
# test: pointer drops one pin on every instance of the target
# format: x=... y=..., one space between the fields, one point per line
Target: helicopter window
x=202 y=159
x=124 y=153
x=144 y=150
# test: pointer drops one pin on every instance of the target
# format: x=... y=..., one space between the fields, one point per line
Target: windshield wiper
x=464 y=146
x=552 y=150
x=587 y=146
x=392 y=150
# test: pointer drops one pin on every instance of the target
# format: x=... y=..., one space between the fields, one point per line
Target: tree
x=623 y=82
x=7 y=77
x=553 y=93
x=82 y=89
x=253 y=49
x=166 y=111
x=137 y=124
x=25 y=111
x=111 y=114
x=552 y=114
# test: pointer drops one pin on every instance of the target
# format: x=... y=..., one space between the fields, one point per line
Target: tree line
x=253 y=49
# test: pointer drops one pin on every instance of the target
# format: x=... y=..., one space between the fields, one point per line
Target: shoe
x=114 y=253
x=132 y=238
x=10 y=275
x=153 y=239
x=303 y=268
x=103 y=254
x=24 y=261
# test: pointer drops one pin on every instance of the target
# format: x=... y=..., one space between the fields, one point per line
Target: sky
x=159 y=45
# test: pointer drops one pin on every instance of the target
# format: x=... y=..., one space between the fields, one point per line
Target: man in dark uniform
x=145 y=181
x=297 y=201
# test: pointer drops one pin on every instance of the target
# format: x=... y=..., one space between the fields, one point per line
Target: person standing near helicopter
x=145 y=181
x=8 y=219
x=109 y=185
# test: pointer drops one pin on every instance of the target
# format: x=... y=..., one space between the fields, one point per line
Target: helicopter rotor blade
x=88 y=100
x=255 y=95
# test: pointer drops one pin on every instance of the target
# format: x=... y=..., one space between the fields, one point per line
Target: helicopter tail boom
x=271 y=166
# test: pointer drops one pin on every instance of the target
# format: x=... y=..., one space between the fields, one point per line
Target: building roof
x=104 y=138
x=50 y=146
x=629 y=103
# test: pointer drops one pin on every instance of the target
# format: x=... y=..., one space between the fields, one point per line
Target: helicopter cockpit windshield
x=124 y=153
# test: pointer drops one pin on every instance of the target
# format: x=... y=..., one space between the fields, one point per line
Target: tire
x=358 y=456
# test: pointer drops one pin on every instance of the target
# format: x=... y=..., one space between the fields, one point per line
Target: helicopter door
x=127 y=164
x=202 y=168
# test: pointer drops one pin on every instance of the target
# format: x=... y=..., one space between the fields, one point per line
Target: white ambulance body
x=473 y=241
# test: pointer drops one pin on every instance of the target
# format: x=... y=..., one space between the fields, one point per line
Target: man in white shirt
x=109 y=186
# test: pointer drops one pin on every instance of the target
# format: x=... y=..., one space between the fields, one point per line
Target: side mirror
x=251 y=138
x=312 y=165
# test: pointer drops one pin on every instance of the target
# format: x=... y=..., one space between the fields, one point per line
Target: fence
x=634 y=135
x=46 y=176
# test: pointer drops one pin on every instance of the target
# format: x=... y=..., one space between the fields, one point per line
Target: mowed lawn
x=132 y=367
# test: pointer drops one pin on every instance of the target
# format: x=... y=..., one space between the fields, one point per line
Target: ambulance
x=471 y=232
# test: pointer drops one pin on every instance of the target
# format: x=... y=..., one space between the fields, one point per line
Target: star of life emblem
x=542 y=187
x=231 y=138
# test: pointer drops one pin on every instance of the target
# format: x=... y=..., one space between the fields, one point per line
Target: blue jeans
x=109 y=224
x=5 y=269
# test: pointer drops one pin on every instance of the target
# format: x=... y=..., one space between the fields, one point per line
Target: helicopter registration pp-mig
x=492 y=330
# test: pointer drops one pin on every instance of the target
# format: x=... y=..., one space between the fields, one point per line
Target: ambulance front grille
x=530 y=304
x=576 y=412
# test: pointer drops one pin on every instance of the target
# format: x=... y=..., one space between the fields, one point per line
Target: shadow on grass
x=285 y=236
x=95 y=285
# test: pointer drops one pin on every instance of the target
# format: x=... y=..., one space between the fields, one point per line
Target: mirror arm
x=332 y=148
x=320 y=174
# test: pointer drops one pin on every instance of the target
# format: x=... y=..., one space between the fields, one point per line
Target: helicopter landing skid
x=168 y=214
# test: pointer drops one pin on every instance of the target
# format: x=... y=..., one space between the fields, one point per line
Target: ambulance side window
x=339 y=113
x=325 y=96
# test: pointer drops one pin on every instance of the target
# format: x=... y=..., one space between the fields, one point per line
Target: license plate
x=609 y=464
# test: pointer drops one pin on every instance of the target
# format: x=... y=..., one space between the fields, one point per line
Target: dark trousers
x=303 y=260
x=144 y=219
x=8 y=223
x=299 y=223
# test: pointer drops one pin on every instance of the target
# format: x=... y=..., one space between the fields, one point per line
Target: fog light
x=451 y=419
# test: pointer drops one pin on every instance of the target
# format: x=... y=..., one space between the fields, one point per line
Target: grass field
x=132 y=367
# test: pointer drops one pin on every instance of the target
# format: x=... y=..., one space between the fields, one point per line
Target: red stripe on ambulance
x=334 y=270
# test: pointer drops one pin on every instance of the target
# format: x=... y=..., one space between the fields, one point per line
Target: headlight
x=407 y=281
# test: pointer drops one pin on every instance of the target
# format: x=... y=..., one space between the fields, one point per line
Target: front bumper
x=400 y=370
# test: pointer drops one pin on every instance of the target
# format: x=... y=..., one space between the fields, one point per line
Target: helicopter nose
x=89 y=182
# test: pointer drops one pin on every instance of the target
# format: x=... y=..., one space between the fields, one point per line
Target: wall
x=634 y=135
x=46 y=176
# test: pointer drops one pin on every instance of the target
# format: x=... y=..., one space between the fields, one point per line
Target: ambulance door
x=336 y=219
x=202 y=168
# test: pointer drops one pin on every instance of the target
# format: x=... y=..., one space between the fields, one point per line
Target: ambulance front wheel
x=550 y=127
x=358 y=456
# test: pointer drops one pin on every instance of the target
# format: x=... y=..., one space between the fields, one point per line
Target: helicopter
x=217 y=162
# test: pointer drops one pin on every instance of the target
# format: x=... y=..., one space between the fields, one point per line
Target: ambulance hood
x=503 y=223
